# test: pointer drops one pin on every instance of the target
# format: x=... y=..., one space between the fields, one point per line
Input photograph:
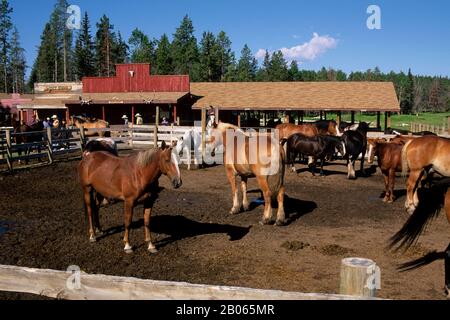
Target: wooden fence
x=439 y=130
x=54 y=284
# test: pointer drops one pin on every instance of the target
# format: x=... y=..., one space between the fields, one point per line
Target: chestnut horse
x=419 y=156
x=91 y=124
x=131 y=179
x=328 y=127
x=247 y=157
x=285 y=130
x=389 y=157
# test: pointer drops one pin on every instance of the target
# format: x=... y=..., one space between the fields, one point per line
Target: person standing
x=125 y=120
x=139 y=120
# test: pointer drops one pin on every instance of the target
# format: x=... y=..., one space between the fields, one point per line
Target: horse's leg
x=98 y=200
x=391 y=185
x=386 y=186
x=128 y=219
x=264 y=185
x=245 y=203
x=148 y=206
x=232 y=179
x=88 y=201
x=189 y=159
x=322 y=161
x=292 y=156
x=447 y=205
x=281 y=216
x=363 y=158
x=351 y=168
x=412 y=199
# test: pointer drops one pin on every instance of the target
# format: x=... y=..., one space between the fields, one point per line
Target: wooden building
x=134 y=90
x=233 y=99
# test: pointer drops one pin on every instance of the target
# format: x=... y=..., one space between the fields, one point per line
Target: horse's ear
x=163 y=145
x=174 y=143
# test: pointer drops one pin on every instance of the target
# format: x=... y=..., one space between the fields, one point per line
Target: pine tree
x=185 y=50
x=163 y=57
x=209 y=58
x=407 y=100
x=247 y=66
x=142 y=49
x=43 y=67
x=18 y=63
x=278 y=70
x=264 y=73
x=226 y=56
x=119 y=50
x=5 y=38
x=104 y=43
x=84 y=51
x=293 y=73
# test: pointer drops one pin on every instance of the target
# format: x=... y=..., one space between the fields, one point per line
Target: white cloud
x=307 y=51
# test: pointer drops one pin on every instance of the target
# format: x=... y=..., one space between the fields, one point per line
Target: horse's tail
x=405 y=166
x=430 y=204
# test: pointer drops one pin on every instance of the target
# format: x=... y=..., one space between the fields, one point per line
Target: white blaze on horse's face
x=175 y=163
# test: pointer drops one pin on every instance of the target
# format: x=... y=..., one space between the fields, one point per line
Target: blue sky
x=414 y=34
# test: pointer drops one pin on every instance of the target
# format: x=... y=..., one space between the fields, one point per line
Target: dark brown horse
x=285 y=130
x=28 y=134
x=247 y=157
x=389 y=157
x=420 y=156
x=130 y=179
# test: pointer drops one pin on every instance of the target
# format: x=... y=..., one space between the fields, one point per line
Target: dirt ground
x=42 y=225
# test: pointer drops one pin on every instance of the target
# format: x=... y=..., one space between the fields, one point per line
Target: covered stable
x=234 y=101
x=134 y=90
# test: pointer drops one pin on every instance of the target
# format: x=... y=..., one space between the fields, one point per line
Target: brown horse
x=91 y=124
x=247 y=157
x=285 y=130
x=328 y=127
x=131 y=179
x=420 y=156
x=389 y=157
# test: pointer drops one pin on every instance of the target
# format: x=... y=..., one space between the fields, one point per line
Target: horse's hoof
x=265 y=222
x=246 y=208
x=281 y=223
x=410 y=210
x=99 y=233
x=93 y=239
x=234 y=211
x=385 y=200
x=129 y=251
x=152 y=250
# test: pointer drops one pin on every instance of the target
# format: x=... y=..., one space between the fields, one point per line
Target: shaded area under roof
x=317 y=96
x=128 y=98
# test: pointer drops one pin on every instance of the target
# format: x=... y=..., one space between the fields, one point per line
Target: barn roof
x=332 y=96
x=129 y=98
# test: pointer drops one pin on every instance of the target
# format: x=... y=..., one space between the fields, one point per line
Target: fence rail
x=439 y=130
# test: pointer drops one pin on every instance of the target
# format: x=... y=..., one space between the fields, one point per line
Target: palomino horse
x=419 y=156
x=389 y=157
x=131 y=179
x=261 y=157
x=91 y=124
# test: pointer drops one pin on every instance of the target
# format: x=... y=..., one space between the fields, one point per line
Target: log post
x=389 y=119
x=8 y=149
x=82 y=138
x=155 y=138
x=339 y=118
x=378 y=120
x=204 y=134
x=353 y=117
x=49 y=145
x=359 y=277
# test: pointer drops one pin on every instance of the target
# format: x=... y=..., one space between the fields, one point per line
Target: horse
x=318 y=147
x=389 y=157
x=432 y=200
x=355 y=144
x=28 y=134
x=247 y=158
x=130 y=179
x=102 y=144
x=91 y=124
x=420 y=156
x=285 y=130
x=328 y=127
x=191 y=141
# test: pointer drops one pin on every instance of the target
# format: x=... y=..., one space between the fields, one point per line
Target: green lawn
x=397 y=121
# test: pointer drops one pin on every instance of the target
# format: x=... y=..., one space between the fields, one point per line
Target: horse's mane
x=145 y=157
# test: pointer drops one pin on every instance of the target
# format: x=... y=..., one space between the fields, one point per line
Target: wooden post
x=155 y=139
x=339 y=118
x=385 y=121
x=103 y=113
x=302 y=115
x=239 y=120
x=353 y=117
x=321 y=115
x=325 y=115
x=132 y=116
x=67 y=116
x=378 y=120
x=49 y=145
x=389 y=119
x=175 y=113
x=8 y=150
x=359 y=277
x=204 y=134
x=82 y=138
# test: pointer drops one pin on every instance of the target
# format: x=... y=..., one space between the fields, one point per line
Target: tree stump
x=359 y=277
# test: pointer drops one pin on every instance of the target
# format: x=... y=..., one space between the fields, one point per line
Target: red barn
x=134 y=90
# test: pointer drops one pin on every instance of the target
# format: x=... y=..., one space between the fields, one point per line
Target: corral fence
x=439 y=130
